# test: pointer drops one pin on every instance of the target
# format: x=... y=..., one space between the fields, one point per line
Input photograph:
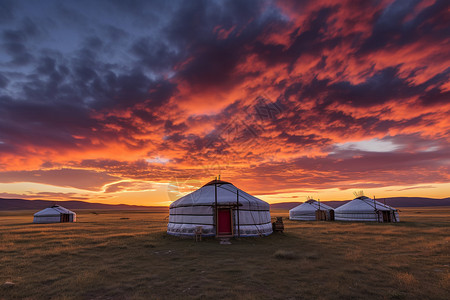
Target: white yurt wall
x=250 y=218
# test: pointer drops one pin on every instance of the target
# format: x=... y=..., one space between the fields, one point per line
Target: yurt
x=365 y=209
x=219 y=209
x=55 y=214
x=312 y=210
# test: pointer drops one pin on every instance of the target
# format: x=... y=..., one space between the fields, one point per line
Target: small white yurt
x=365 y=209
x=312 y=210
x=219 y=209
x=55 y=214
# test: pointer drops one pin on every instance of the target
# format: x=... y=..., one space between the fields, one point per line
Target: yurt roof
x=226 y=194
x=311 y=205
x=55 y=210
x=363 y=203
x=217 y=181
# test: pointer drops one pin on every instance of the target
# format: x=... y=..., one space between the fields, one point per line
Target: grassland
x=127 y=255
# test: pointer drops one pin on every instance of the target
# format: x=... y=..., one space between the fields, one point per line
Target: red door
x=224 y=222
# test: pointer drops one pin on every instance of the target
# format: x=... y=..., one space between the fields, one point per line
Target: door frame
x=224 y=207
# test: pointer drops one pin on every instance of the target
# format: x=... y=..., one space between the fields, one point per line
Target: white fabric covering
x=53 y=215
x=307 y=211
x=197 y=209
x=366 y=210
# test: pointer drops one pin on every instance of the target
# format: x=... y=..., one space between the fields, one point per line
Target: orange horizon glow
x=163 y=194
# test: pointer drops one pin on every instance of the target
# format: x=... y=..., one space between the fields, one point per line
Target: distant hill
x=285 y=205
x=21 y=204
x=394 y=202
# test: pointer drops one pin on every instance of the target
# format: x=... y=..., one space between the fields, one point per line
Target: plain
x=128 y=255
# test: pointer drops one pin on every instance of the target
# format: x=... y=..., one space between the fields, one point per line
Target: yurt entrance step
x=224 y=222
x=225 y=241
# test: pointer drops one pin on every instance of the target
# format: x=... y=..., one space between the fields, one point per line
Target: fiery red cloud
x=275 y=96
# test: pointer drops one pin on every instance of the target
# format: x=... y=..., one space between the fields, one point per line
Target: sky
x=140 y=102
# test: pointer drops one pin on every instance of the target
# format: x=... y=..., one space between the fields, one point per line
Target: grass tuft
x=312 y=256
x=406 y=279
x=285 y=254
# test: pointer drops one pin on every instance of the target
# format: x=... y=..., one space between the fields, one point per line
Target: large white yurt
x=366 y=209
x=219 y=209
x=55 y=214
x=312 y=210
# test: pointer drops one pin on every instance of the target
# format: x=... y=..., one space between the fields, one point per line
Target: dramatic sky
x=141 y=101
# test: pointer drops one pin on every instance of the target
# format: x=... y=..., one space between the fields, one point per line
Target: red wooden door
x=224 y=222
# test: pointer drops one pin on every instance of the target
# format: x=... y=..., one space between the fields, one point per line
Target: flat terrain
x=127 y=255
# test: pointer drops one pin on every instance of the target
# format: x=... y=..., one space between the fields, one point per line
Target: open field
x=127 y=255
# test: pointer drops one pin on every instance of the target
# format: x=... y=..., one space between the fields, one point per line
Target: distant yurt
x=312 y=210
x=365 y=209
x=219 y=209
x=55 y=214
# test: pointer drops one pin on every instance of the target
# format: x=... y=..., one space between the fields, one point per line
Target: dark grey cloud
x=3 y=81
x=432 y=93
x=312 y=40
x=304 y=140
x=195 y=27
x=389 y=25
x=15 y=42
x=41 y=125
x=392 y=30
x=6 y=11
x=383 y=86
x=155 y=55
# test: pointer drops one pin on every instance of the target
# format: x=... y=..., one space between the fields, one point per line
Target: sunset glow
x=140 y=103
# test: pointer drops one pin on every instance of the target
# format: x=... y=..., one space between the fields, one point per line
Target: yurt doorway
x=65 y=218
x=224 y=222
x=386 y=216
x=331 y=215
x=321 y=215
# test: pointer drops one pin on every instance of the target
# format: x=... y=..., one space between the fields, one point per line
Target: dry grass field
x=127 y=255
